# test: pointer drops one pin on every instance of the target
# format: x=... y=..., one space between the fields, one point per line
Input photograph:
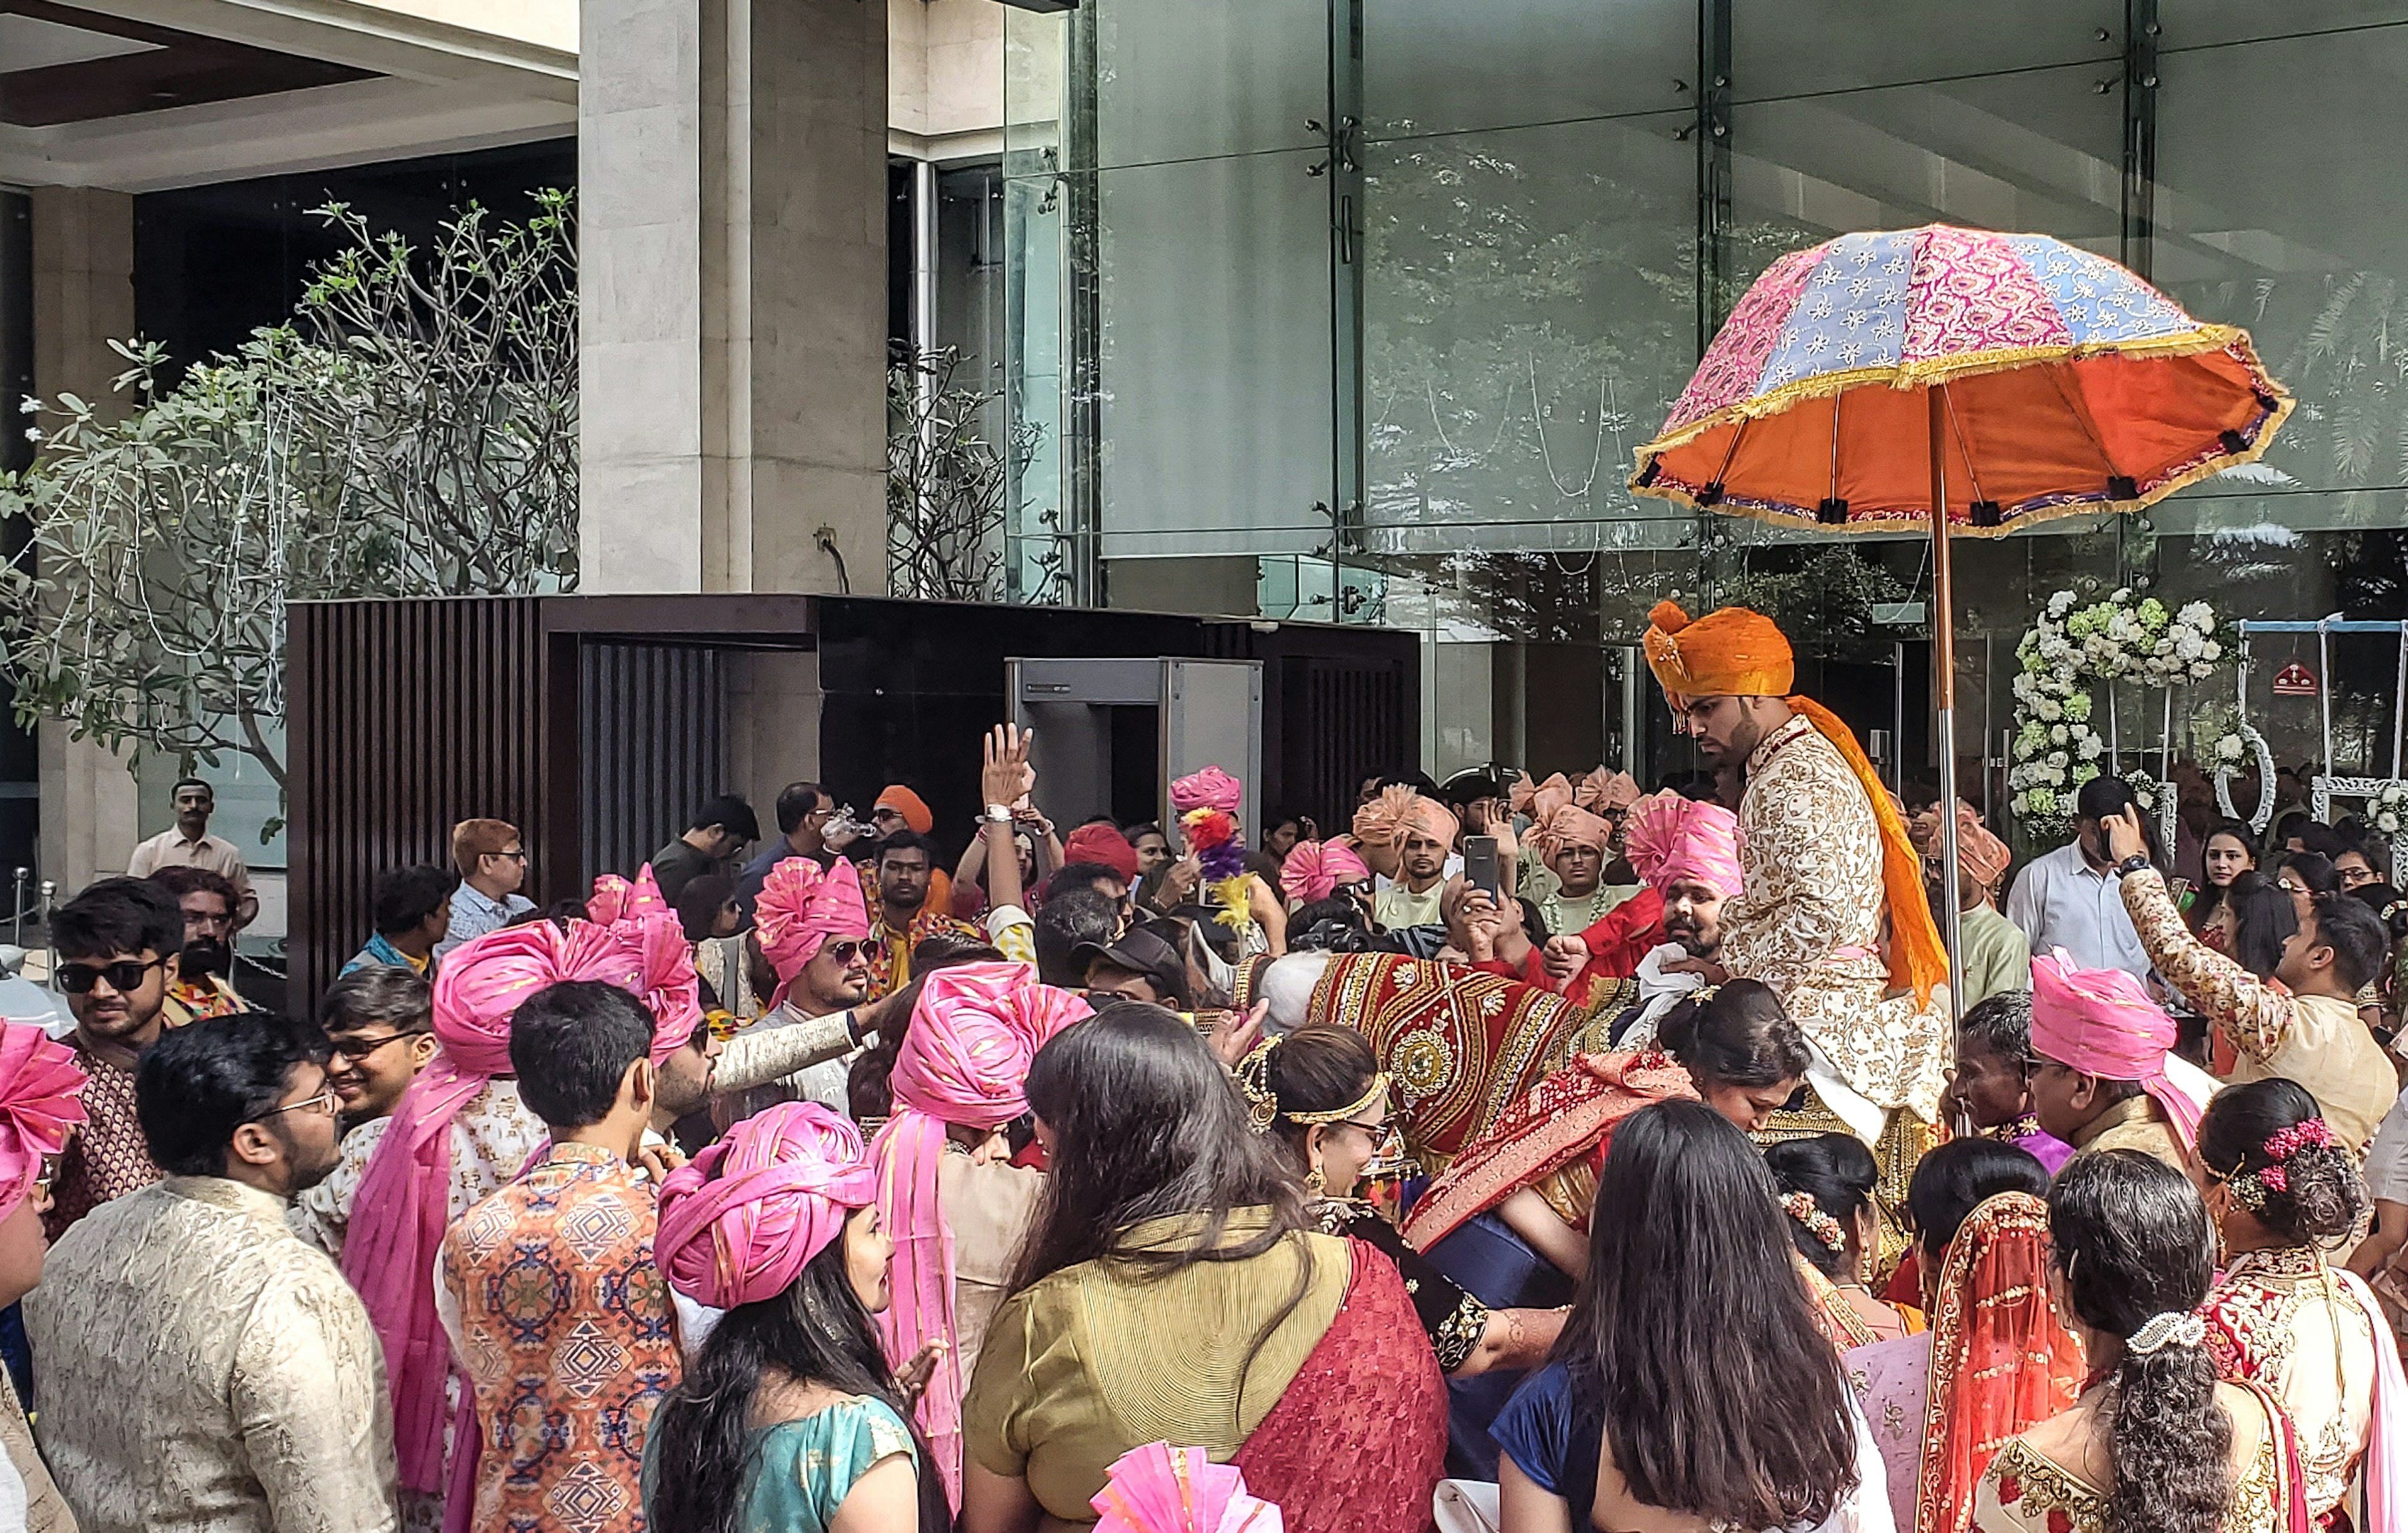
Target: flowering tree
x=2057 y=747
x=412 y=433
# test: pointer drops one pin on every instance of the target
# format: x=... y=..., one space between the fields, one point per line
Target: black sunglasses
x=869 y=948
x=124 y=976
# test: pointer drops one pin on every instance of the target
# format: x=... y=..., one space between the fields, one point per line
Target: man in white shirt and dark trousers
x=2069 y=898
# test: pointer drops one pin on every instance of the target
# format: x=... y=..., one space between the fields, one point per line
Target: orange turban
x=910 y=805
x=1385 y=820
x=1978 y=851
x=1734 y=652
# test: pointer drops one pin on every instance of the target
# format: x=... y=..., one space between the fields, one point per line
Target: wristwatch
x=2133 y=864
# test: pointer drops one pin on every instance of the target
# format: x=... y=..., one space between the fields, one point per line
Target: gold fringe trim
x=1837 y=382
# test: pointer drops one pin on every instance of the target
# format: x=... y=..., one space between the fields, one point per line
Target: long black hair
x=815 y=1331
x=1147 y=1125
x=1693 y=1336
x=1838 y=1172
x=2322 y=1193
x=2132 y=1243
x=2264 y=917
x=1958 y=1176
x=1737 y=1036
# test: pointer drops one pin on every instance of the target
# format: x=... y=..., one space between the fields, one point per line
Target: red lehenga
x=1566 y=1119
x=1357 y=1442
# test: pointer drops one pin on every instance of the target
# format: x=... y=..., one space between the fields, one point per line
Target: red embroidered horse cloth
x=1357 y=1443
x=1460 y=1045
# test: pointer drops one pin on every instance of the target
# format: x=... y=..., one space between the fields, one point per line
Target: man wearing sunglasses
x=381 y=1021
x=117 y=943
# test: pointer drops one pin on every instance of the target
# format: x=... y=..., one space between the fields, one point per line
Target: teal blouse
x=801 y=1472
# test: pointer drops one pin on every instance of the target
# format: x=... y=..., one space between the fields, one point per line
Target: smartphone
x=1479 y=864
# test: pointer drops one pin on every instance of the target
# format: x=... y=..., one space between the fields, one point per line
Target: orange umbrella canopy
x=2070 y=387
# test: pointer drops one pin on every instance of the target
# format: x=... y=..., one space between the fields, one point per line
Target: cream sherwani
x=1808 y=922
x=205 y=1370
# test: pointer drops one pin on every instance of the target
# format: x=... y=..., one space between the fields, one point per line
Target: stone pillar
x=732 y=172
x=83 y=297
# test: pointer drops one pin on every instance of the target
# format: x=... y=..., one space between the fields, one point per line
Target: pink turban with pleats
x=740 y=1221
x=1538 y=799
x=1566 y=825
x=41 y=1102
x=802 y=906
x=2101 y=1022
x=1210 y=789
x=404 y=1199
x=1670 y=839
x=1314 y=869
x=964 y=1060
x=1385 y=820
x=615 y=899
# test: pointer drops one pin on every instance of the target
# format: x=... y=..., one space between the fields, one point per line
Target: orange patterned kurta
x=564 y=1325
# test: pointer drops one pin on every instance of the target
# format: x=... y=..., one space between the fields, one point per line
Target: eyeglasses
x=518 y=857
x=326 y=1103
x=359 y=1048
x=870 y=948
x=123 y=976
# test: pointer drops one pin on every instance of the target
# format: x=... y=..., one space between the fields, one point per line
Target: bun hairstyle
x=1958 y=1176
x=1838 y=1172
x=2267 y=1143
x=1735 y=1033
x=2135 y=1251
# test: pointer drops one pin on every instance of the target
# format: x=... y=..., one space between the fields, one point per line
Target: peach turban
x=740 y=1221
x=1978 y=851
x=1606 y=794
x=964 y=1060
x=1385 y=820
x=1314 y=869
x=1671 y=840
x=910 y=805
x=802 y=906
x=1538 y=799
x=1210 y=789
x=1739 y=653
x=41 y=1102
x=1566 y=825
x=2101 y=1021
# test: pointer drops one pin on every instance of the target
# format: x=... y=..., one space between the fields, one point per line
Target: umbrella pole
x=1943 y=663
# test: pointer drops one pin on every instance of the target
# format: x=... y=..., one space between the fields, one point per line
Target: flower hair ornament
x=2250 y=1189
x=2175 y=1329
x=1802 y=1208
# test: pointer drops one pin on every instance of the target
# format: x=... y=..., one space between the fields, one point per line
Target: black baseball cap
x=1142 y=953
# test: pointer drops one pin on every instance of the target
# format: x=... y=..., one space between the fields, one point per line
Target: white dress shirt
x=2061 y=901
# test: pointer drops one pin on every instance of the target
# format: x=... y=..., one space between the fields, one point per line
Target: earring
x=1313 y=1182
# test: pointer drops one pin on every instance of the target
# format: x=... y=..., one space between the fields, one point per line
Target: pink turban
x=740 y=1221
x=1671 y=840
x=404 y=1199
x=1314 y=869
x=615 y=899
x=802 y=906
x=964 y=1060
x=2101 y=1022
x=1538 y=799
x=1606 y=794
x=1102 y=844
x=41 y=1102
x=1385 y=820
x=1210 y=789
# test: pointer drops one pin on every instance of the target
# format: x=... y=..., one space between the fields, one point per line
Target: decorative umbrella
x=1962 y=380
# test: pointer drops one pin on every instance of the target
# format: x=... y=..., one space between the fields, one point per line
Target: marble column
x=83 y=297
x=732 y=165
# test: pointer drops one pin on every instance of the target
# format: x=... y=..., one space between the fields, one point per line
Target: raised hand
x=1005 y=775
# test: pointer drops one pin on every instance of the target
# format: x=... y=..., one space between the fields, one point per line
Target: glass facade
x=1355 y=309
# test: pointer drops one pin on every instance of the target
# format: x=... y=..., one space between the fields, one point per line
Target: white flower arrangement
x=2386 y=811
x=2071 y=646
